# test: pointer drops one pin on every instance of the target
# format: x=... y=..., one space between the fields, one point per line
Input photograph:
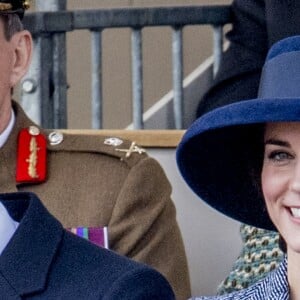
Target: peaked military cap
x=14 y=7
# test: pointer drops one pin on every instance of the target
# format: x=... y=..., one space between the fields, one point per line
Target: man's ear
x=22 y=51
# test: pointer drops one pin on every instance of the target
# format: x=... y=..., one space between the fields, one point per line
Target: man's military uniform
x=94 y=181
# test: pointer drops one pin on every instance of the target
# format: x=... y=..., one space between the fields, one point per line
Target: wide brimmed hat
x=220 y=155
x=14 y=7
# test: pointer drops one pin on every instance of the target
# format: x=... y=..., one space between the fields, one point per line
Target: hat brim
x=217 y=153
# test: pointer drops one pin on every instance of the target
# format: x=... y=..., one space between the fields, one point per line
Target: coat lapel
x=26 y=261
x=7 y=290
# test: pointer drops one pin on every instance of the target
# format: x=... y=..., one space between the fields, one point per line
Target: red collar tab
x=31 y=159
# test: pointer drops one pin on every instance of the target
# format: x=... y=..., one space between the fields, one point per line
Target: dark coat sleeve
x=240 y=69
x=81 y=270
x=139 y=285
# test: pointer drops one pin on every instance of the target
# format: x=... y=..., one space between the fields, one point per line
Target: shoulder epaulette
x=125 y=150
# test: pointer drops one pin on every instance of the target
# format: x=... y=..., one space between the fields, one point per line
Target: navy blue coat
x=44 y=261
x=257 y=25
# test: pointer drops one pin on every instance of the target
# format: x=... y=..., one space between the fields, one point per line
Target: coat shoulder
x=118 y=276
x=115 y=147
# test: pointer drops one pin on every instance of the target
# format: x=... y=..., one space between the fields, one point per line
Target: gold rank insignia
x=31 y=156
x=132 y=149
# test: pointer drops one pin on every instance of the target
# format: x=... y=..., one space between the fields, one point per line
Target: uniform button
x=55 y=138
x=33 y=130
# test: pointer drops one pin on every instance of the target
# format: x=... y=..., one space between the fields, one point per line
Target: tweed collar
x=273 y=287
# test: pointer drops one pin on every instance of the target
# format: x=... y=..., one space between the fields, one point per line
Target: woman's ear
x=22 y=51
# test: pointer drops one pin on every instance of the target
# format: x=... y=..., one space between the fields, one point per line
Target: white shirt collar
x=5 y=134
x=7 y=227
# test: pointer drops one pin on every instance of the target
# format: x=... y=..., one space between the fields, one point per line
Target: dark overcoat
x=44 y=261
x=257 y=25
x=89 y=183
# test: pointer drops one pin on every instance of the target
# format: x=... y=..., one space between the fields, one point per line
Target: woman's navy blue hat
x=220 y=155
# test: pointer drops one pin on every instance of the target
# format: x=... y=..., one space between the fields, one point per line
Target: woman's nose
x=295 y=180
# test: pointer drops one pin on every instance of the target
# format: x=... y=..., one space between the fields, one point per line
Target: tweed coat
x=91 y=184
x=44 y=261
x=273 y=287
x=257 y=25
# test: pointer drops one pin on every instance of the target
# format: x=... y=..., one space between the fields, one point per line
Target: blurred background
x=157 y=59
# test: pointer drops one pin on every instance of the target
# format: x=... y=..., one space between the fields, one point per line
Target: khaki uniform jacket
x=91 y=184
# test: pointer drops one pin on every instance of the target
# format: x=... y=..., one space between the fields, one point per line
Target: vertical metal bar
x=137 y=78
x=54 y=112
x=46 y=86
x=177 y=54
x=59 y=81
x=37 y=85
x=97 y=96
x=217 y=47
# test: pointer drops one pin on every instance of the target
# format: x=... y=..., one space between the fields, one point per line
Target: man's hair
x=12 y=25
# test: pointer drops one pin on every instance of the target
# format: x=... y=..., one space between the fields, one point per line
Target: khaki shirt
x=91 y=184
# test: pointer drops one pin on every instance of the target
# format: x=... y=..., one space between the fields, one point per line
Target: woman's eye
x=279 y=156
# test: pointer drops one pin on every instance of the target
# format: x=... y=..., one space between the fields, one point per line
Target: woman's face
x=281 y=179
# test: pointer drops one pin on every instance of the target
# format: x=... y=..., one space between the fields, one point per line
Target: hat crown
x=281 y=73
x=286 y=45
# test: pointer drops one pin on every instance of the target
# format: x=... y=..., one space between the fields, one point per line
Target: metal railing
x=46 y=83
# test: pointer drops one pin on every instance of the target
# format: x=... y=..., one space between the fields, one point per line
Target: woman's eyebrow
x=273 y=141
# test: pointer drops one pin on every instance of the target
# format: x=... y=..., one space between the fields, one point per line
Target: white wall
x=211 y=240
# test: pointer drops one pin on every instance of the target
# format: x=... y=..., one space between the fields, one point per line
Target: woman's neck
x=293 y=274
